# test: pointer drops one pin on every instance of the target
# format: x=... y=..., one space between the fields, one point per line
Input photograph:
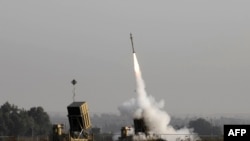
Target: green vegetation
x=19 y=122
x=205 y=130
x=203 y=127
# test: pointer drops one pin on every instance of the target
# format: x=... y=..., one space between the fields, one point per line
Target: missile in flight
x=131 y=38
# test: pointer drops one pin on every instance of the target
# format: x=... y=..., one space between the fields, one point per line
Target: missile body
x=131 y=38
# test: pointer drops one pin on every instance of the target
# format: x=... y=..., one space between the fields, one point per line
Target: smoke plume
x=146 y=107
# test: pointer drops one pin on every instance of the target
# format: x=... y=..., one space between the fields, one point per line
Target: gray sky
x=193 y=54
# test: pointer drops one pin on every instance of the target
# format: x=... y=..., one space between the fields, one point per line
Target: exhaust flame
x=136 y=65
x=146 y=107
x=142 y=99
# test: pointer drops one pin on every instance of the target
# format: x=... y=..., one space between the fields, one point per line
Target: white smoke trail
x=145 y=106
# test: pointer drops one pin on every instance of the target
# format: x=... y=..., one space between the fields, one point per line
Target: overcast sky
x=193 y=54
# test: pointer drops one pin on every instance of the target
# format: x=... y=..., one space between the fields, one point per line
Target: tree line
x=20 y=122
x=203 y=127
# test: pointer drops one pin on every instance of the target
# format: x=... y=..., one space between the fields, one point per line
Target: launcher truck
x=79 y=121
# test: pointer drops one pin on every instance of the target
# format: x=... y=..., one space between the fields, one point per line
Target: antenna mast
x=74 y=89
